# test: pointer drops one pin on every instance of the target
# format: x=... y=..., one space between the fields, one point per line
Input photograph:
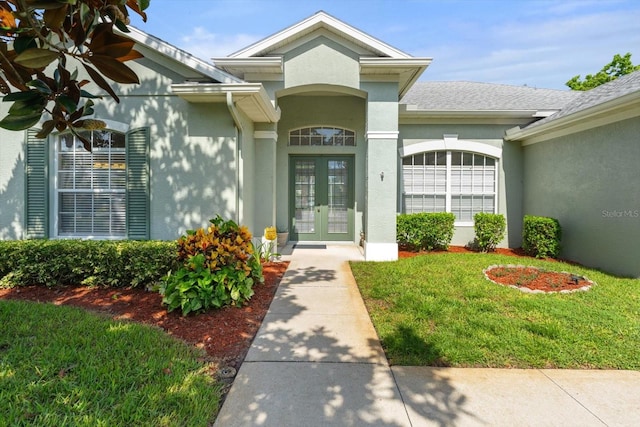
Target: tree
x=620 y=66
x=38 y=37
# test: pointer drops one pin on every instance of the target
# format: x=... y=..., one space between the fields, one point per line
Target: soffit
x=250 y=98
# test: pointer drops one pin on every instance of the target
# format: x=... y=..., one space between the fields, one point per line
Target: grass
x=62 y=366
x=439 y=310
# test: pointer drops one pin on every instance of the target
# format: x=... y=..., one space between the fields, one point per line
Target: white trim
x=251 y=98
x=375 y=134
x=265 y=134
x=380 y=251
x=316 y=21
x=448 y=143
x=617 y=109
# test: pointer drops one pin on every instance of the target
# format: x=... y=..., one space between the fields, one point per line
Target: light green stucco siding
x=590 y=181
x=382 y=165
x=12 y=182
x=321 y=61
x=193 y=157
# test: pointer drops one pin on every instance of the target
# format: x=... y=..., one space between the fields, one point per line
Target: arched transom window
x=460 y=182
x=322 y=136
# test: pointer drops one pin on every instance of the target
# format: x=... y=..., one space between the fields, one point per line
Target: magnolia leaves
x=37 y=38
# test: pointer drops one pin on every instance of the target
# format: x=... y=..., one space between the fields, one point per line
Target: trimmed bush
x=219 y=268
x=541 y=236
x=489 y=229
x=425 y=230
x=85 y=262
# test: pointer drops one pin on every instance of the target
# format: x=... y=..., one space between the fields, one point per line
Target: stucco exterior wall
x=193 y=156
x=11 y=181
x=589 y=182
x=321 y=61
x=509 y=173
x=381 y=170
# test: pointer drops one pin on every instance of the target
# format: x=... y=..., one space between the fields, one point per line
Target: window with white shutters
x=460 y=182
x=91 y=186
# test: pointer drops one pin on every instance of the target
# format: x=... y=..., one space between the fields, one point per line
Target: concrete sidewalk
x=317 y=361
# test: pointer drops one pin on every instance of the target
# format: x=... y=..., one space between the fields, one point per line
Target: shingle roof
x=472 y=96
x=621 y=86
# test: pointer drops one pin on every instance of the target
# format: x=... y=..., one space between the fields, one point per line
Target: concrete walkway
x=317 y=361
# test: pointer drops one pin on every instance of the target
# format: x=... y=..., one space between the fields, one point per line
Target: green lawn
x=62 y=366
x=439 y=310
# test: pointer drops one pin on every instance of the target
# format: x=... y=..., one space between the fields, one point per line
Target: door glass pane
x=337 y=196
x=305 y=195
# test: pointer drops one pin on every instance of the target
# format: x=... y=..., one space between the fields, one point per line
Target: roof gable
x=320 y=23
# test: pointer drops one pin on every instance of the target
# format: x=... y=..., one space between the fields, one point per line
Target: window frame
x=450 y=144
x=55 y=190
x=351 y=134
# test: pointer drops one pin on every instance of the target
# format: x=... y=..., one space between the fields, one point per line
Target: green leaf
x=40 y=86
x=36 y=58
x=27 y=108
x=143 y=4
x=25 y=95
x=67 y=103
x=12 y=122
x=21 y=44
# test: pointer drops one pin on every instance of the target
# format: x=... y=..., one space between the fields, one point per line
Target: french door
x=321 y=198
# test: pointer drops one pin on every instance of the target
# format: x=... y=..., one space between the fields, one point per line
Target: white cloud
x=541 y=51
x=206 y=45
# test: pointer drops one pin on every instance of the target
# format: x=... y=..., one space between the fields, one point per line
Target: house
x=326 y=131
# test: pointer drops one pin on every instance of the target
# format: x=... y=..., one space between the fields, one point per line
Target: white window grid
x=90 y=187
x=322 y=136
x=450 y=181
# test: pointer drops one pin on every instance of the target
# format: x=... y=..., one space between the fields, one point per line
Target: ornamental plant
x=489 y=229
x=42 y=43
x=219 y=268
x=541 y=236
x=427 y=231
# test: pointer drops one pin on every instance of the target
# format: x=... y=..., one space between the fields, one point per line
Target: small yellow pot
x=270 y=233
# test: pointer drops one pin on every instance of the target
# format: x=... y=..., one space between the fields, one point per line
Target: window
x=322 y=136
x=460 y=182
x=71 y=192
x=91 y=185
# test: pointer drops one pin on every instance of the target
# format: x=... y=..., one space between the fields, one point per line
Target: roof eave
x=617 y=109
x=167 y=50
x=409 y=69
x=411 y=111
x=251 y=98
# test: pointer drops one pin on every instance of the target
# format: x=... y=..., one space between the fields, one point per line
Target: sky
x=538 y=43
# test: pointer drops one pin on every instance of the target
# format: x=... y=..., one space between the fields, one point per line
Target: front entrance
x=321 y=198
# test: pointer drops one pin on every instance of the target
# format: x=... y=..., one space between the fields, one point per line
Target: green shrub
x=425 y=230
x=219 y=268
x=489 y=229
x=85 y=262
x=541 y=236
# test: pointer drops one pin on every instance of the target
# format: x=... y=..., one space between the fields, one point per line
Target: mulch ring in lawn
x=536 y=280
